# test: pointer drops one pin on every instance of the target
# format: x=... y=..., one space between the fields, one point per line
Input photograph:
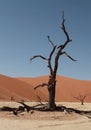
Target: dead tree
x=39 y=99
x=51 y=85
x=81 y=98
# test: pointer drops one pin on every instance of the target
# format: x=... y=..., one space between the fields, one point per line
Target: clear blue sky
x=24 y=26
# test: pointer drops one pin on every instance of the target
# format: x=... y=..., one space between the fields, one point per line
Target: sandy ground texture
x=45 y=120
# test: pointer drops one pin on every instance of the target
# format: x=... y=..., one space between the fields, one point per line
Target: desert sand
x=45 y=120
x=23 y=88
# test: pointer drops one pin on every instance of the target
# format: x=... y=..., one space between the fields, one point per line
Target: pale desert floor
x=45 y=120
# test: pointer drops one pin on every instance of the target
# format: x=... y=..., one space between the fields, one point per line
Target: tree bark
x=52 y=92
x=51 y=101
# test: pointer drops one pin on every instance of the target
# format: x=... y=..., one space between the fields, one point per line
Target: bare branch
x=84 y=97
x=51 y=53
x=78 y=98
x=50 y=41
x=38 y=56
x=68 y=56
x=49 y=60
x=41 y=85
x=64 y=29
x=39 y=99
x=66 y=33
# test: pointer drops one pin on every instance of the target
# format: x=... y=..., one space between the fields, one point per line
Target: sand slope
x=22 y=88
x=19 y=90
x=66 y=88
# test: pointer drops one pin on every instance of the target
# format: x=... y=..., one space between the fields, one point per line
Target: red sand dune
x=19 y=90
x=22 y=88
x=66 y=88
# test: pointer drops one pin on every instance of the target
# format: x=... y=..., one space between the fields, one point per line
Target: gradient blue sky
x=24 y=26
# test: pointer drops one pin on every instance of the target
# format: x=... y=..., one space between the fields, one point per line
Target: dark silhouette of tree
x=81 y=98
x=51 y=85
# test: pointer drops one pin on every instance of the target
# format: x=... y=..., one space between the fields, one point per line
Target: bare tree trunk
x=82 y=102
x=52 y=92
x=51 y=101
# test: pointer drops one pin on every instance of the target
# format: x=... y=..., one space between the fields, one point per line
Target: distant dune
x=22 y=89
x=12 y=88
